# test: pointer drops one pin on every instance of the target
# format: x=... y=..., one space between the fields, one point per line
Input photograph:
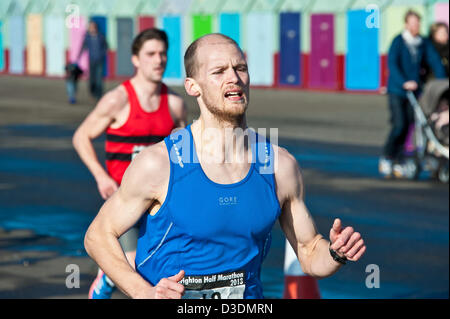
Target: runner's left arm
x=298 y=225
x=142 y=184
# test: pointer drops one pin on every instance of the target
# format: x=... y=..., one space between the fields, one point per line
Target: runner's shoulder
x=113 y=101
x=153 y=160
x=149 y=170
x=288 y=176
x=286 y=160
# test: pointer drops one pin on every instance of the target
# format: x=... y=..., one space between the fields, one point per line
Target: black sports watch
x=336 y=257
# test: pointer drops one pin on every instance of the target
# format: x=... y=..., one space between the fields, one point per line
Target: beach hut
x=76 y=20
x=54 y=38
x=231 y=18
x=362 y=59
x=147 y=13
x=35 y=37
x=327 y=42
x=288 y=67
x=123 y=22
x=203 y=14
x=4 y=6
x=173 y=18
x=16 y=36
x=261 y=33
x=440 y=12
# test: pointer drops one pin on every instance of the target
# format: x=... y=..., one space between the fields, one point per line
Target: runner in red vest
x=138 y=113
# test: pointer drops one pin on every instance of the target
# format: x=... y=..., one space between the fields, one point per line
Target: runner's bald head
x=190 y=57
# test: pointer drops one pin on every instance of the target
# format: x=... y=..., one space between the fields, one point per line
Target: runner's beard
x=226 y=113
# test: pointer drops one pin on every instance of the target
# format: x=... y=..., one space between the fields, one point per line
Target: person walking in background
x=406 y=55
x=139 y=112
x=440 y=40
x=95 y=42
x=73 y=73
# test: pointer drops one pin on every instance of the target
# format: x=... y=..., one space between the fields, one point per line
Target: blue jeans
x=402 y=116
x=96 y=79
x=71 y=89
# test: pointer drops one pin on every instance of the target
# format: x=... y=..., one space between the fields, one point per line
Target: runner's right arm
x=93 y=126
x=145 y=181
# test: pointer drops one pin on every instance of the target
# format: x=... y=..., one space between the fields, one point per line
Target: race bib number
x=136 y=150
x=218 y=286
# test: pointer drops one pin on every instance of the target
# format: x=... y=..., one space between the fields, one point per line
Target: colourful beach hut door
x=101 y=22
x=260 y=48
x=362 y=71
x=322 y=68
x=125 y=34
x=172 y=26
x=290 y=49
x=230 y=25
x=16 y=28
x=146 y=22
x=76 y=36
x=54 y=39
x=201 y=25
x=441 y=12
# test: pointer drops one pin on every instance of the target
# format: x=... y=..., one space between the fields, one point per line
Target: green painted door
x=201 y=25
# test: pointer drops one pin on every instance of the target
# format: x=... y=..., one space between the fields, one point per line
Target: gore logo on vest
x=228 y=200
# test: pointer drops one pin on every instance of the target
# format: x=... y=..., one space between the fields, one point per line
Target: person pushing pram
x=431 y=130
x=407 y=54
x=73 y=73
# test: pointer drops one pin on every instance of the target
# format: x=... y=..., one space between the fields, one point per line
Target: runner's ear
x=135 y=60
x=192 y=88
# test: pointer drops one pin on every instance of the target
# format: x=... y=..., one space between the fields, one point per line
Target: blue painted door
x=101 y=22
x=362 y=64
x=172 y=26
x=230 y=25
x=290 y=49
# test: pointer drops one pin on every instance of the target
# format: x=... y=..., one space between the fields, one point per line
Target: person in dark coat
x=408 y=52
x=95 y=42
x=440 y=40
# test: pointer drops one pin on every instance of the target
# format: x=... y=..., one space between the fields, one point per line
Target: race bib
x=219 y=286
x=136 y=150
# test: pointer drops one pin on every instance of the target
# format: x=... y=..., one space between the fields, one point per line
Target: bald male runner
x=139 y=112
x=207 y=214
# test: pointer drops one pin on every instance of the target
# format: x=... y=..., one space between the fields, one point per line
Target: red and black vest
x=140 y=130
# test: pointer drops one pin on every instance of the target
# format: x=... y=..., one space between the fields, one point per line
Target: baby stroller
x=431 y=130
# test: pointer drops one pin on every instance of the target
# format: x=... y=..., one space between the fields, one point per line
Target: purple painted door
x=322 y=65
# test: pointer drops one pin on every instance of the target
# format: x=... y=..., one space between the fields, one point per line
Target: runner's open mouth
x=238 y=94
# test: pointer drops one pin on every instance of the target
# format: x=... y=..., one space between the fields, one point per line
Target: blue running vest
x=219 y=234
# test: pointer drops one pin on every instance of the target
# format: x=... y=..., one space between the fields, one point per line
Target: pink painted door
x=322 y=65
x=76 y=36
x=441 y=12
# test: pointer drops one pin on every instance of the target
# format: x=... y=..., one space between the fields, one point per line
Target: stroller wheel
x=443 y=174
